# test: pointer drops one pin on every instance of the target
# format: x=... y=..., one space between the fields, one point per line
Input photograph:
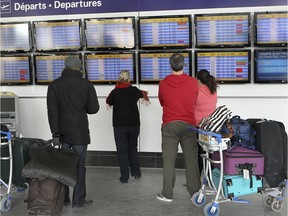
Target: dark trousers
x=79 y=192
x=172 y=134
x=127 y=151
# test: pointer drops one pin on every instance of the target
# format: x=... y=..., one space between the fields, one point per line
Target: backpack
x=240 y=132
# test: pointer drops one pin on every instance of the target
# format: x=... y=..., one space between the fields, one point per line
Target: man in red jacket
x=177 y=95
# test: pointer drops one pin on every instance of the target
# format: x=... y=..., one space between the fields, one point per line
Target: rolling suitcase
x=237 y=185
x=271 y=141
x=45 y=197
x=238 y=158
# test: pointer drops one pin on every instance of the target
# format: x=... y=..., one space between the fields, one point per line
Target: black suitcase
x=20 y=155
x=271 y=140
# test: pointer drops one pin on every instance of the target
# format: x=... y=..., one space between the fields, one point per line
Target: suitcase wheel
x=268 y=201
x=6 y=203
x=212 y=209
x=276 y=205
x=199 y=201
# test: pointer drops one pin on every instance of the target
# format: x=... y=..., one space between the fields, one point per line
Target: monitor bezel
x=34 y=35
x=29 y=38
x=160 y=52
x=256 y=71
x=257 y=44
x=162 y=47
x=222 y=51
x=111 y=82
x=91 y=48
x=231 y=45
x=12 y=83
x=50 y=54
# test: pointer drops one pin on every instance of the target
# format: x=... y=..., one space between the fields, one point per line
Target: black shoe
x=122 y=181
x=137 y=176
x=85 y=204
x=67 y=202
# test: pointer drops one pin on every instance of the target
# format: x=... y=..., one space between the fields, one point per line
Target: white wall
x=268 y=101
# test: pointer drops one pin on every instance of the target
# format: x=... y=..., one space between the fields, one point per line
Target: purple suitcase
x=238 y=158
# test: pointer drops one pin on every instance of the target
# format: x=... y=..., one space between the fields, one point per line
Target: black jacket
x=125 y=109
x=69 y=99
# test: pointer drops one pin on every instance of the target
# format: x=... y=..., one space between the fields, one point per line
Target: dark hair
x=208 y=80
x=177 y=62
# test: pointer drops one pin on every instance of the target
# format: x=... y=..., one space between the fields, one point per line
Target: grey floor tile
x=138 y=198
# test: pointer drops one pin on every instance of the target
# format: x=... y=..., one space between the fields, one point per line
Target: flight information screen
x=270 y=66
x=57 y=35
x=15 y=37
x=105 y=68
x=156 y=66
x=110 y=33
x=48 y=67
x=225 y=66
x=271 y=29
x=165 y=32
x=15 y=70
x=222 y=30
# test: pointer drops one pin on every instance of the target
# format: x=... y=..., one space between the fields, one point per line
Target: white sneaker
x=162 y=198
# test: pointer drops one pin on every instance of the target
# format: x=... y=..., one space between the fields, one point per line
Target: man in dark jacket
x=69 y=99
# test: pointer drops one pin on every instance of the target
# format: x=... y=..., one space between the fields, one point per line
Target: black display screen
x=270 y=66
x=105 y=67
x=222 y=30
x=15 y=37
x=165 y=32
x=57 y=35
x=226 y=66
x=16 y=70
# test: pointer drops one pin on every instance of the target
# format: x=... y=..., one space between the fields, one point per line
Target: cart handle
x=200 y=131
x=8 y=134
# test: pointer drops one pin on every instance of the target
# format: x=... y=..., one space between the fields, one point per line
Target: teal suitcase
x=237 y=185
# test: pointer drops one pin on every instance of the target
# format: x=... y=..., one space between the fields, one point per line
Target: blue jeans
x=79 y=192
x=127 y=151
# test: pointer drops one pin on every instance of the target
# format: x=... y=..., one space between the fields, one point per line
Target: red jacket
x=177 y=95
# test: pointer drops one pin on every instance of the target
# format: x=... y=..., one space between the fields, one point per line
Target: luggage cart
x=212 y=142
x=6 y=197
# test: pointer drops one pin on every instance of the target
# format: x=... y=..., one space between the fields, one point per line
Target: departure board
x=110 y=33
x=57 y=35
x=270 y=66
x=165 y=32
x=271 y=28
x=155 y=66
x=15 y=37
x=48 y=67
x=222 y=30
x=15 y=70
x=105 y=68
x=225 y=66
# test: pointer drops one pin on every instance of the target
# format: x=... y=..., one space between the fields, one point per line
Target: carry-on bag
x=20 y=154
x=237 y=185
x=238 y=158
x=271 y=141
x=45 y=197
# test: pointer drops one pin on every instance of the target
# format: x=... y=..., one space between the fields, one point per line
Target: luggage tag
x=246 y=174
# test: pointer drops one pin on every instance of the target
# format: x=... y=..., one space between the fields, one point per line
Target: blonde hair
x=124 y=76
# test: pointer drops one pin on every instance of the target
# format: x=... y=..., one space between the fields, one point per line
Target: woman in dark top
x=126 y=122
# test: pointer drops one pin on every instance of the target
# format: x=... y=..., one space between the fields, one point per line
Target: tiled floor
x=138 y=198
